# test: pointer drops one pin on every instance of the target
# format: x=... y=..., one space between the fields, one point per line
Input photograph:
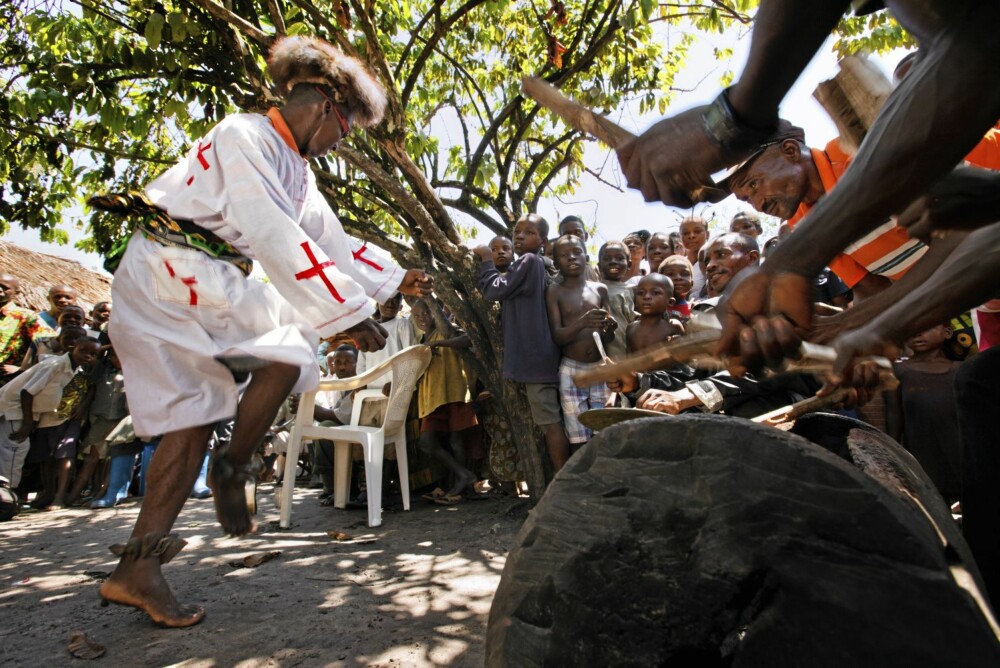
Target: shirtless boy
x=653 y=298
x=577 y=308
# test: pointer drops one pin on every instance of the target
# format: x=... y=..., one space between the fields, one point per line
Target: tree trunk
x=480 y=319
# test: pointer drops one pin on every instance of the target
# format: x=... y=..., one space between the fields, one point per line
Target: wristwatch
x=723 y=126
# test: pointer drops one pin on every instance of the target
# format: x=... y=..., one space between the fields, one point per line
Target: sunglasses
x=345 y=126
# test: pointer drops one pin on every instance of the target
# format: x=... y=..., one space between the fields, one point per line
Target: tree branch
x=90 y=147
x=439 y=31
x=477 y=213
x=239 y=23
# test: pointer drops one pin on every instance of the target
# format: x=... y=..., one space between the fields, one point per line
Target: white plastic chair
x=406 y=366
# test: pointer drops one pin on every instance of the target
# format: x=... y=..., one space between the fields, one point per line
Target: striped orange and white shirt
x=887 y=250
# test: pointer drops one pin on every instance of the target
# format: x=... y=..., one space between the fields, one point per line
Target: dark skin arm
x=27 y=410
x=966 y=279
x=958 y=65
x=565 y=334
x=674 y=158
x=964 y=200
x=461 y=341
x=827 y=329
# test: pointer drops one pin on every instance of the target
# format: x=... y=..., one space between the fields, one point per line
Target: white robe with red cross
x=183 y=319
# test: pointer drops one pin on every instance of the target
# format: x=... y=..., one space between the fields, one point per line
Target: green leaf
x=154 y=30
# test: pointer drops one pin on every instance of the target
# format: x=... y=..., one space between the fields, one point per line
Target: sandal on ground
x=234 y=490
x=449 y=500
x=326 y=501
x=433 y=496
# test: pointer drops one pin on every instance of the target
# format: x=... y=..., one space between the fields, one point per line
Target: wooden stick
x=794 y=411
x=581 y=118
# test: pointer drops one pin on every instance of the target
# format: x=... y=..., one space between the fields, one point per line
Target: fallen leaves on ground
x=82 y=646
x=255 y=560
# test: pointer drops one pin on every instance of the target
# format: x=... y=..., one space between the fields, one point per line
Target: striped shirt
x=887 y=250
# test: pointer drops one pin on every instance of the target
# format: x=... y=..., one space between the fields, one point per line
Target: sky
x=608 y=211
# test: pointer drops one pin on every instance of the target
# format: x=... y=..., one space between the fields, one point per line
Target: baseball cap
x=785 y=130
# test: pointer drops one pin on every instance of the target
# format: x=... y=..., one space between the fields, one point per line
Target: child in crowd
x=71 y=316
x=573 y=226
x=921 y=412
x=60 y=296
x=653 y=298
x=503 y=253
x=333 y=408
x=613 y=261
x=681 y=274
x=106 y=409
x=694 y=235
x=676 y=247
x=636 y=244
x=400 y=334
x=448 y=422
x=530 y=356
x=99 y=317
x=42 y=405
x=577 y=308
x=657 y=250
x=746 y=223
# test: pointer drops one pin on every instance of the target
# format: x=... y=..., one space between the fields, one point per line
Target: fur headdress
x=297 y=60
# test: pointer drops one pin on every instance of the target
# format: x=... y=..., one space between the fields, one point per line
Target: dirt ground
x=414 y=592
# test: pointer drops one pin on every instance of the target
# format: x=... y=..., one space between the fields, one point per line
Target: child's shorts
x=544 y=401
x=97 y=436
x=576 y=400
x=57 y=442
x=455 y=416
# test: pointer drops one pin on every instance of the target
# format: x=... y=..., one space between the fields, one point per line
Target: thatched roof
x=38 y=271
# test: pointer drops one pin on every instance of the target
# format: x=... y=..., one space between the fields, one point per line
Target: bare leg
x=430 y=444
x=62 y=468
x=558 y=444
x=85 y=474
x=139 y=582
x=269 y=387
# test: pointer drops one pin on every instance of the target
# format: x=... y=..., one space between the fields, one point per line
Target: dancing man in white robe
x=187 y=318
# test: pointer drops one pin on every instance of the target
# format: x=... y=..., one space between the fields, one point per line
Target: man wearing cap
x=785 y=178
x=190 y=324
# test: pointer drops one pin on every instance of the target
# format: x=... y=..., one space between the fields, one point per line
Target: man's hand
x=965 y=199
x=627 y=382
x=416 y=283
x=483 y=253
x=9 y=369
x=862 y=342
x=674 y=160
x=368 y=334
x=765 y=318
x=596 y=318
x=666 y=401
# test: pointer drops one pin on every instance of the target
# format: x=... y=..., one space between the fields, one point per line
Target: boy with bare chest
x=577 y=308
x=654 y=295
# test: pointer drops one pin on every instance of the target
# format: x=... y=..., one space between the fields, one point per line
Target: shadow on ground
x=418 y=594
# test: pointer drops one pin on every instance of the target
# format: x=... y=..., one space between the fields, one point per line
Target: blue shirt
x=530 y=355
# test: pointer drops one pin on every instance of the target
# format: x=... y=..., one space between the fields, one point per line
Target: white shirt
x=45 y=381
x=245 y=184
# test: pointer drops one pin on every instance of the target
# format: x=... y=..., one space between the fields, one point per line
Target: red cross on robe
x=317 y=270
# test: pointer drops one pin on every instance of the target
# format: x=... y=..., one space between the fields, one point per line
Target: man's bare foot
x=229 y=491
x=139 y=584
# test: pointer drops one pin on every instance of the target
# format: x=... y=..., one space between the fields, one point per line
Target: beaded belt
x=156 y=225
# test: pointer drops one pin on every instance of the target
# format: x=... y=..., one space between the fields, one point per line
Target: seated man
x=681 y=387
